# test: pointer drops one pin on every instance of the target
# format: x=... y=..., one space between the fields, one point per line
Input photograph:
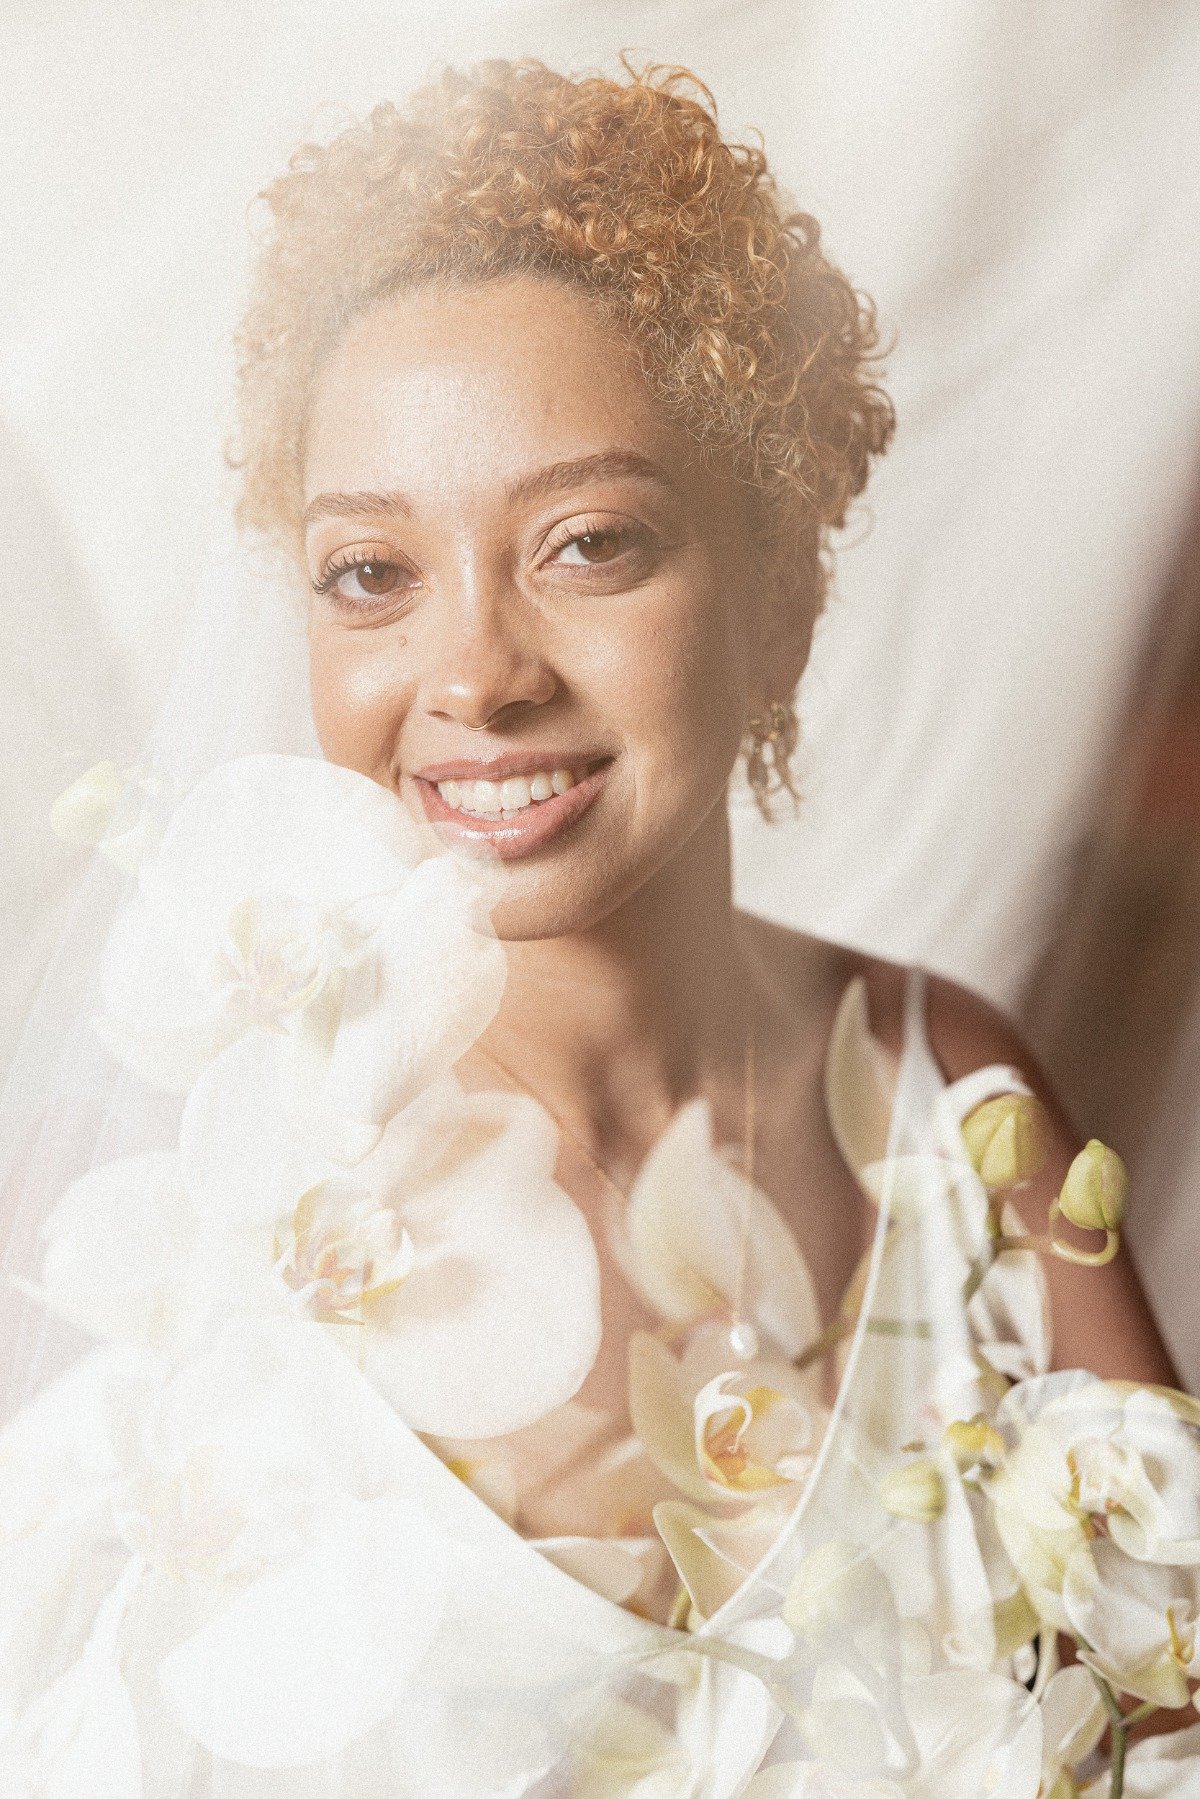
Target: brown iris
x=377 y=577
x=598 y=546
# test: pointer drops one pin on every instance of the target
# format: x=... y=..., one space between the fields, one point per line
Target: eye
x=357 y=580
x=593 y=546
x=620 y=550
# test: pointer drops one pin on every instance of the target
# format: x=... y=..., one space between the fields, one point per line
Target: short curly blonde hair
x=623 y=188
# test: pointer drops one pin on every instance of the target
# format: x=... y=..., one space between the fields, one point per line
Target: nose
x=488 y=660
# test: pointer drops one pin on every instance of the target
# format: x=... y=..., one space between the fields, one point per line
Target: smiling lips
x=514 y=813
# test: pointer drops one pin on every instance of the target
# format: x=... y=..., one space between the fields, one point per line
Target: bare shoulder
x=1101 y=1317
x=965 y=1030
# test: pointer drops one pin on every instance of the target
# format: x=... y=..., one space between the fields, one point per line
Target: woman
x=555 y=410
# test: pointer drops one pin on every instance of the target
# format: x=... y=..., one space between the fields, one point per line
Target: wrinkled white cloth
x=1016 y=184
x=1016 y=181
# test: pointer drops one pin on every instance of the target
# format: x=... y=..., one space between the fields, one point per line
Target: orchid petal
x=80 y=1735
x=243 y=1161
x=81 y=1741
x=1010 y=1314
x=162 y=1016
x=714 y=1556
x=310 y=1657
x=479 y=1341
x=119 y=1247
x=1140 y=1621
x=289 y=825
x=428 y=987
x=978 y=1733
x=1073 y=1720
x=614 y=1567
x=628 y=1754
x=703 y=1239
x=860 y=1080
x=662 y=1416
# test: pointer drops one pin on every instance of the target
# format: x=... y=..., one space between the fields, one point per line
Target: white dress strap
x=920 y=1078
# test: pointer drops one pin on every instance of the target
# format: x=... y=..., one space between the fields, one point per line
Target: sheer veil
x=235 y=1570
x=238 y=689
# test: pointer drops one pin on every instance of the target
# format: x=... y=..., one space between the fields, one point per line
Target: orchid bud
x=1007 y=1139
x=1096 y=1189
x=916 y=1491
x=84 y=812
x=836 y=1587
x=972 y=1441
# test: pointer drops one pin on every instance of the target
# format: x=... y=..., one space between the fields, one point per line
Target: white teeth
x=488 y=798
x=514 y=793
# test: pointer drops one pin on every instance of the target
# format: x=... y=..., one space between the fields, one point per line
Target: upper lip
x=512 y=762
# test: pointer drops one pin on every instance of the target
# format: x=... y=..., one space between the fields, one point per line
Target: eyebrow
x=538 y=485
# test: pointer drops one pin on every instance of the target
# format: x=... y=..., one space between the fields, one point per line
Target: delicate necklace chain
x=572 y=1137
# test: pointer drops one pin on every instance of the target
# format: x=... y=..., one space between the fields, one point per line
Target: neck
x=615 y=1026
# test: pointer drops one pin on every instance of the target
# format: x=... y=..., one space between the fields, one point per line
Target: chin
x=532 y=915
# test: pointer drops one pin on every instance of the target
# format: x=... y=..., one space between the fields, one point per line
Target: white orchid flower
x=734 y=1431
x=721 y=1420
x=229 y=1517
x=728 y=1419
x=751 y=1430
x=961 y=1733
x=448 y=1264
x=1092 y=1458
x=708 y=1731
x=293 y=898
x=1140 y=1621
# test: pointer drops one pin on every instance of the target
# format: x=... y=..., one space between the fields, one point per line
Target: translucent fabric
x=266 y=1254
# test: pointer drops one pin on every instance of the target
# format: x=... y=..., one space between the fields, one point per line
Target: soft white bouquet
x=223 y=1535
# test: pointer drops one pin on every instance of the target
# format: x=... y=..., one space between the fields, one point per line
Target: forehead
x=471 y=387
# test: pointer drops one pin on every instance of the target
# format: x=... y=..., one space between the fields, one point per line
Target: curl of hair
x=624 y=188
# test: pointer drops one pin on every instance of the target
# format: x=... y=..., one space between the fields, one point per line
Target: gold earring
x=773 y=738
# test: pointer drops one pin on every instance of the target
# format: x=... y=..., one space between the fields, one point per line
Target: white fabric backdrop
x=1017 y=181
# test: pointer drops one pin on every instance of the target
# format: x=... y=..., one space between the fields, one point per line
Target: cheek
x=360 y=695
x=687 y=689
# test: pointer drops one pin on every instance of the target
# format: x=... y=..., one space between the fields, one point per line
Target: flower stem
x=977 y=1273
x=1117 y=1780
x=844 y=1327
x=1120 y=1736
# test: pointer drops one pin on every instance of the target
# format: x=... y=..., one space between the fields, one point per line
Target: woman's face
x=534 y=614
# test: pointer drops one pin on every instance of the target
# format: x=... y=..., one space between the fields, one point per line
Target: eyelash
x=345 y=564
x=626 y=532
